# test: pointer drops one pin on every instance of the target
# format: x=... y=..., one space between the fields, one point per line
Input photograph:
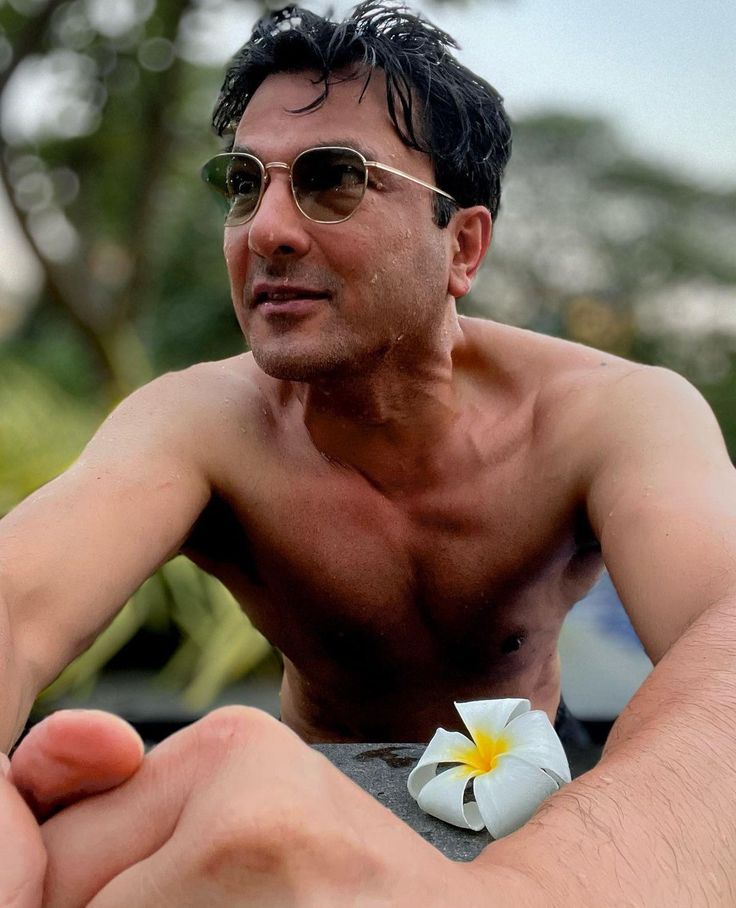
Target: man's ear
x=471 y=230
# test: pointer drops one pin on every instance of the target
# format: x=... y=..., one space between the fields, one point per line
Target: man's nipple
x=513 y=642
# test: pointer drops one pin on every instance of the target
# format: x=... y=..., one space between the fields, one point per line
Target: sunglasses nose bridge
x=279 y=165
x=274 y=229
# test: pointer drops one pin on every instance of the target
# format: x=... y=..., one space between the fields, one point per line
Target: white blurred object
x=603 y=663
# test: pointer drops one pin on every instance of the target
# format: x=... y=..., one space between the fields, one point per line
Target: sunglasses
x=328 y=182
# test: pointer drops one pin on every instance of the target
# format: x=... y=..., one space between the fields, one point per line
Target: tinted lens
x=238 y=179
x=328 y=183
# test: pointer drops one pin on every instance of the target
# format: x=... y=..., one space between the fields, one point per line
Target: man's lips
x=285 y=295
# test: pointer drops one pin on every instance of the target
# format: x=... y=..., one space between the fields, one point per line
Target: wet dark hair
x=437 y=105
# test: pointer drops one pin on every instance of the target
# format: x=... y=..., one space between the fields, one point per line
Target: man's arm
x=73 y=552
x=652 y=825
x=655 y=822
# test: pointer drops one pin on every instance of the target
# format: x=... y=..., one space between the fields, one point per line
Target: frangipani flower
x=515 y=761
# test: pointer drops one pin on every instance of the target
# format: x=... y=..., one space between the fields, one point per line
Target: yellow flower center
x=488 y=750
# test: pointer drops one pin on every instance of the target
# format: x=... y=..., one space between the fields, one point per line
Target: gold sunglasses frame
x=265 y=179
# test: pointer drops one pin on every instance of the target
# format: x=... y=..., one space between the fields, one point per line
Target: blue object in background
x=603 y=661
x=606 y=611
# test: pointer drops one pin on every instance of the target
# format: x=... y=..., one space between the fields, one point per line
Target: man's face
x=320 y=300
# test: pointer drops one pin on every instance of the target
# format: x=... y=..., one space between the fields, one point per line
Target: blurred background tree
x=104 y=107
x=600 y=247
x=102 y=179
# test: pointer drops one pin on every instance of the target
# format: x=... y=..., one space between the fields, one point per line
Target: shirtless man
x=406 y=502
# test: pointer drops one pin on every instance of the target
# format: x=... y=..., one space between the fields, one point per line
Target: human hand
x=63 y=759
x=23 y=858
x=236 y=810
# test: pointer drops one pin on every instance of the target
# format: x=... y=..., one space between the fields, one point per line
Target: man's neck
x=393 y=422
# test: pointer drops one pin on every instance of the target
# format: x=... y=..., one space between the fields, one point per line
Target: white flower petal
x=508 y=796
x=445 y=747
x=442 y=797
x=515 y=758
x=533 y=739
x=490 y=717
x=560 y=780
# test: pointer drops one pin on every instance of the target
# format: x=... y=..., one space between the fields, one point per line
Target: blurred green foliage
x=29 y=400
x=102 y=180
x=128 y=246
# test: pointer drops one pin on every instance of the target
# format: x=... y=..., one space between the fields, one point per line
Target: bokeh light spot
x=156 y=54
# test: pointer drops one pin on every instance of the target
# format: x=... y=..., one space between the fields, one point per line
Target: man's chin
x=301 y=366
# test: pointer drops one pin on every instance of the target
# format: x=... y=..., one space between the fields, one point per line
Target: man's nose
x=278 y=227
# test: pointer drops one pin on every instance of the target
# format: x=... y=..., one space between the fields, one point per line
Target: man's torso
x=389 y=603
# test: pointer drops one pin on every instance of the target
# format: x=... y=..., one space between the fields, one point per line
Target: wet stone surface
x=382 y=771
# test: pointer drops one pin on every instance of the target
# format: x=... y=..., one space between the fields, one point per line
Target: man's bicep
x=74 y=551
x=662 y=501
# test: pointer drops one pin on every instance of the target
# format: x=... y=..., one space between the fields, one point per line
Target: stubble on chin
x=288 y=363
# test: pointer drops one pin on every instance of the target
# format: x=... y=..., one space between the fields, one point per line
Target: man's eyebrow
x=368 y=153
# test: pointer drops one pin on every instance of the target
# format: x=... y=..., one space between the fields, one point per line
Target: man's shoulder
x=205 y=389
x=598 y=388
x=200 y=411
x=585 y=390
x=549 y=367
x=239 y=370
x=586 y=400
x=594 y=408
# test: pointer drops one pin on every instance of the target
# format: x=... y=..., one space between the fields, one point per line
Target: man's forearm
x=16 y=698
x=655 y=822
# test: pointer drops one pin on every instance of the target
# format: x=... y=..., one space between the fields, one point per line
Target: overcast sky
x=664 y=71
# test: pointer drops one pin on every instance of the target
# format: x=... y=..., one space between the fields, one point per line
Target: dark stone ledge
x=382 y=771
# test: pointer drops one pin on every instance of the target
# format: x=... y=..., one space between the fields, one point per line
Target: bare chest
x=338 y=575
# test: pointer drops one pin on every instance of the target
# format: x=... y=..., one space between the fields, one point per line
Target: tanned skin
x=407 y=503
x=382 y=485
x=419 y=574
